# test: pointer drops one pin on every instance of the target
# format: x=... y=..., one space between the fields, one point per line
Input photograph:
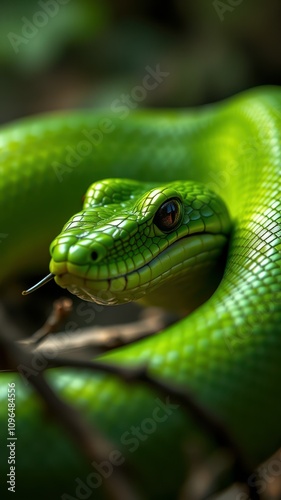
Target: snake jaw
x=193 y=257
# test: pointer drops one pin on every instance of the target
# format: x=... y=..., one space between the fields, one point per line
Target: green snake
x=153 y=230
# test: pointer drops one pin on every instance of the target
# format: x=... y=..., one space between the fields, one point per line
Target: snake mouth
x=184 y=256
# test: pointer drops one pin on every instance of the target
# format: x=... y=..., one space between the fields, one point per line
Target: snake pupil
x=94 y=255
x=168 y=215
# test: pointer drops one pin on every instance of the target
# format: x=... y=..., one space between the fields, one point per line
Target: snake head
x=142 y=241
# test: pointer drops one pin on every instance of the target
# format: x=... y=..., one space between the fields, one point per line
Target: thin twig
x=60 y=311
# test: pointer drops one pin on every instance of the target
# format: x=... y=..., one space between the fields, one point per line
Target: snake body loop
x=227 y=351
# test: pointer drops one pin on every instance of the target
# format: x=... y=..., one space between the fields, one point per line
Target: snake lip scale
x=93 y=288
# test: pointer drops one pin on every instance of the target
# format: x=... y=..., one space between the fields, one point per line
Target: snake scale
x=227 y=351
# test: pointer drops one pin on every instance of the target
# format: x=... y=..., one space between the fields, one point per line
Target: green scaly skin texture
x=227 y=352
x=115 y=250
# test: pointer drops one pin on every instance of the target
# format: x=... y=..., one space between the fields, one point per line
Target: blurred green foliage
x=58 y=54
x=54 y=29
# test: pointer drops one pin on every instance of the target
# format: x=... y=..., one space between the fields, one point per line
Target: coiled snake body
x=227 y=351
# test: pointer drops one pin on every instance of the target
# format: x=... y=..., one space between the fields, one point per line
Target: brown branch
x=97 y=338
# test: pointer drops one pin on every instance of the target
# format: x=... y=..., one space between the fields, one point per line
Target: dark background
x=87 y=53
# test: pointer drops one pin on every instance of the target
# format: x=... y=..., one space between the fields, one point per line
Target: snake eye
x=168 y=215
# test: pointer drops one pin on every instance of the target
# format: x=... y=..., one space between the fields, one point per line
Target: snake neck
x=187 y=292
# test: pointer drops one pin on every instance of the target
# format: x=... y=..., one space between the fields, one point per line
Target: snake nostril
x=94 y=255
